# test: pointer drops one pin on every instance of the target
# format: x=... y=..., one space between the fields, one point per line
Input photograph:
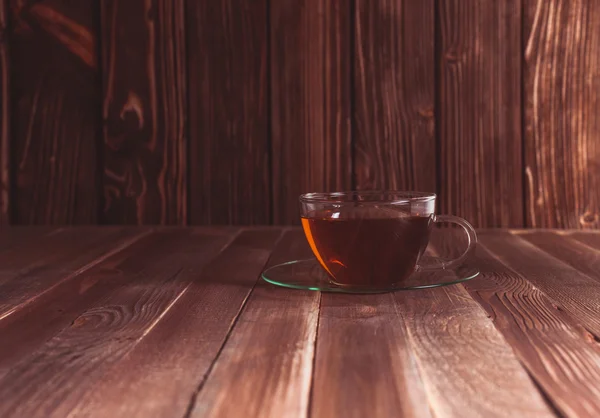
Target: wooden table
x=124 y=322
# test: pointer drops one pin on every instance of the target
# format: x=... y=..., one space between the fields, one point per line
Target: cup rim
x=396 y=196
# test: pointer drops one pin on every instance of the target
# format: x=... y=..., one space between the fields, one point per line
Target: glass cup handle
x=471 y=242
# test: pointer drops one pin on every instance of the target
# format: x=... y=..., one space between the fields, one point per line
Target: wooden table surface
x=173 y=322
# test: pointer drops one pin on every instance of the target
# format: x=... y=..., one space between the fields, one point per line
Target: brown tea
x=375 y=249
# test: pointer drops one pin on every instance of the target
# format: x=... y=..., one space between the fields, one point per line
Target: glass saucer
x=308 y=275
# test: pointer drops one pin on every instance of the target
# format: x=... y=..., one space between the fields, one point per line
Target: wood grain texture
x=56 y=93
x=268 y=358
x=145 y=110
x=569 y=289
x=540 y=335
x=364 y=364
x=562 y=90
x=26 y=274
x=310 y=102
x=54 y=309
x=466 y=366
x=229 y=144
x=590 y=239
x=5 y=185
x=480 y=111
x=171 y=324
x=394 y=90
x=573 y=252
x=54 y=378
x=202 y=318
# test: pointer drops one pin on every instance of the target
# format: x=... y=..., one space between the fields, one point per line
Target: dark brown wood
x=480 y=111
x=460 y=354
x=364 y=364
x=22 y=236
x=27 y=272
x=569 y=289
x=571 y=251
x=108 y=329
x=540 y=334
x=290 y=96
x=562 y=89
x=202 y=317
x=590 y=239
x=167 y=321
x=55 y=115
x=145 y=110
x=267 y=361
x=5 y=186
x=228 y=113
x=310 y=102
x=394 y=90
x=49 y=312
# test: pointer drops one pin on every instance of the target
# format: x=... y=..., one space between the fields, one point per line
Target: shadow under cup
x=368 y=239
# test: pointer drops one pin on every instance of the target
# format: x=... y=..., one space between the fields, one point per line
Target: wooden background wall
x=224 y=111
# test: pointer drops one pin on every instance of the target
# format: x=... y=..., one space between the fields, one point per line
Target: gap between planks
x=194 y=397
x=72 y=335
x=203 y=318
x=535 y=350
x=268 y=358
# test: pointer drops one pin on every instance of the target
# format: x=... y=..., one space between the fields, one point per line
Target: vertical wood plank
x=562 y=90
x=480 y=111
x=145 y=150
x=229 y=149
x=394 y=90
x=56 y=111
x=5 y=186
x=364 y=364
x=268 y=357
x=310 y=76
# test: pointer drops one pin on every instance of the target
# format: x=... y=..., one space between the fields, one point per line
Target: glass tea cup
x=375 y=239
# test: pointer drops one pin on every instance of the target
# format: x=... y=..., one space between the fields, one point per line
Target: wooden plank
x=590 y=239
x=202 y=318
x=394 y=111
x=5 y=186
x=364 y=364
x=143 y=64
x=29 y=327
x=56 y=111
x=569 y=289
x=228 y=93
x=574 y=253
x=50 y=311
x=466 y=366
x=51 y=381
x=562 y=89
x=480 y=111
x=310 y=102
x=268 y=357
x=55 y=258
x=540 y=335
x=13 y=237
